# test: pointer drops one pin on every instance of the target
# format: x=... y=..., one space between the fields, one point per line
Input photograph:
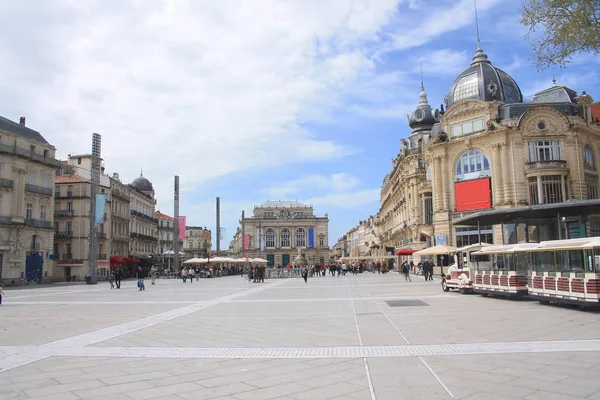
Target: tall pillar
x=437 y=187
x=497 y=175
x=506 y=168
x=539 y=190
x=445 y=192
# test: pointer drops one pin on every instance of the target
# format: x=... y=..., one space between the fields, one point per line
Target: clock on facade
x=419 y=115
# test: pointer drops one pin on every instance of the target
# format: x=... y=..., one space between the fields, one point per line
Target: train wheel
x=445 y=287
x=544 y=302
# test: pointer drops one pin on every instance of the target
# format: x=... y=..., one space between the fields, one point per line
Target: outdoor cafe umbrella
x=258 y=260
x=435 y=250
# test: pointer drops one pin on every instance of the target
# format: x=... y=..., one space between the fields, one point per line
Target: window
x=31 y=178
x=467 y=86
x=544 y=150
x=79 y=160
x=69 y=227
x=43 y=212
x=46 y=181
x=546 y=189
x=426 y=208
x=466 y=128
x=591 y=185
x=589 y=163
x=321 y=240
x=300 y=237
x=29 y=211
x=69 y=206
x=285 y=238
x=270 y=238
x=472 y=164
x=467 y=235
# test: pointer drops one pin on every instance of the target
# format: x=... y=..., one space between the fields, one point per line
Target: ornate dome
x=423 y=118
x=484 y=82
x=142 y=184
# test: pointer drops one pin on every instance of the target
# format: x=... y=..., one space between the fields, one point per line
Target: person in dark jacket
x=118 y=277
x=140 y=276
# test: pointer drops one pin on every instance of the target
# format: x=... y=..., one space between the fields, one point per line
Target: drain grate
x=406 y=303
x=366 y=314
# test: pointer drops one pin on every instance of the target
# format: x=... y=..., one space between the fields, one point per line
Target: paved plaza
x=359 y=337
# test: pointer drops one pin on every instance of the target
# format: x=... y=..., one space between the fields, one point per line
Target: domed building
x=486 y=168
x=498 y=159
x=143 y=224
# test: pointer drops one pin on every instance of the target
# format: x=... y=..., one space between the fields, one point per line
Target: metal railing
x=38 y=189
x=67 y=256
x=5 y=219
x=6 y=183
x=38 y=223
x=101 y=235
x=63 y=213
x=101 y=256
x=282 y=273
x=15 y=150
x=63 y=234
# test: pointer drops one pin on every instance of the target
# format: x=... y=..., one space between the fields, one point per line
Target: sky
x=252 y=100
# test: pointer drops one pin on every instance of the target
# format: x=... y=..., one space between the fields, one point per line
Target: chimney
x=116 y=176
x=22 y=121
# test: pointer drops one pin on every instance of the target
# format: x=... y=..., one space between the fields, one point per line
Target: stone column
x=506 y=169
x=497 y=176
x=437 y=185
x=445 y=193
x=539 y=190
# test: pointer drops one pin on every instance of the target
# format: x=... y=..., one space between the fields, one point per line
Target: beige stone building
x=278 y=229
x=121 y=217
x=496 y=158
x=198 y=242
x=166 y=232
x=72 y=222
x=405 y=218
x=27 y=165
x=143 y=226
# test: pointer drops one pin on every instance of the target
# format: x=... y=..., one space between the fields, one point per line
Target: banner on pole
x=311 y=238
x=246 y=242
x=100 y=204
x=181 y=228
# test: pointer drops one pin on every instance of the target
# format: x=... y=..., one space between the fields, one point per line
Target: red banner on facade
x=246 y=242
x=182 y=228
x=473 y=195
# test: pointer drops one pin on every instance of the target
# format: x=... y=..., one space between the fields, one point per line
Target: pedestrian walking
x=153 y=274
x=406 y=271
x=140 y=277
x=118 y=277
x=111 y=280
x=191 y=274
x=305 y=274
x=1 y=292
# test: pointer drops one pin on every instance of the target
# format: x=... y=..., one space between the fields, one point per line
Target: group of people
x=425 y=269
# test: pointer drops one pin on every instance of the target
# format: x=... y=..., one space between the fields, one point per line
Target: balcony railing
x=63 y=213
x=544 y=165
x=38 y=223
x=101 y=256
x=101 y=235
x=71 y=195
x=5 y=220
x=143 y=216
x=67 y=256
x=141 y=236
x=17 y=151
x=63 y=234
x=6 y=183
x=38 y=189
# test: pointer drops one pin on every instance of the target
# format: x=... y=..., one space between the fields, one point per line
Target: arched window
x=285 y=238
x=591 y=175
x=270 y=238
x=300 y=237
x=472 y=164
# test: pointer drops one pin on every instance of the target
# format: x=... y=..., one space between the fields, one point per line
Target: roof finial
x=421 y=75
x=553 y=81
x=141 y=171
x=477 y=25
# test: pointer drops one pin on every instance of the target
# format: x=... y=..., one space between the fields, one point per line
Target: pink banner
x=246 y=242
x=182 y=228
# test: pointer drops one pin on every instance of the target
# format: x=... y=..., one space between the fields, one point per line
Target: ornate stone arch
x=543 y=121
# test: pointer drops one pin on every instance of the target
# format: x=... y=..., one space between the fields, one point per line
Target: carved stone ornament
x=15 y=243
x=466 y=108
x=543 y=121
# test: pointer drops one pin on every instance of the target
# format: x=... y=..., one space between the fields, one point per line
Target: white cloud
x=441 y=62
x=202 y=89
x=346 y=200
x=335 y=183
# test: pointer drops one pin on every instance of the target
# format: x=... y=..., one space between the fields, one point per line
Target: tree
x=561 y=29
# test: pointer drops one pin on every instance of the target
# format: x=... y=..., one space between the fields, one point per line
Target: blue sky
x=252 y=101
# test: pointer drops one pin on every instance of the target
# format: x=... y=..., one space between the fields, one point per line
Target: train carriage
x=502 y=269
x=566 y=271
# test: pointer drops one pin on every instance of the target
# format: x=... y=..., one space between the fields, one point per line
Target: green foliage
x=561 y=29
